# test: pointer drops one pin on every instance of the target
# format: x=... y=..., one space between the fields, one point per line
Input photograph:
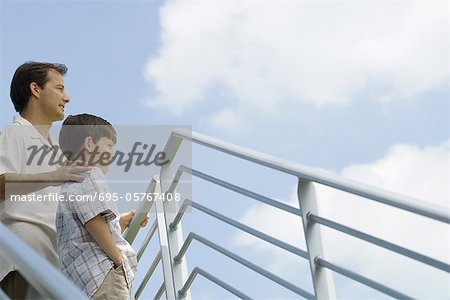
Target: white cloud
x=422 y=173
x=269 y=54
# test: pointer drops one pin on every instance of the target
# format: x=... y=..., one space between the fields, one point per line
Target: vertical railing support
x=174 y=238
x=166 y=257
x=321 y=277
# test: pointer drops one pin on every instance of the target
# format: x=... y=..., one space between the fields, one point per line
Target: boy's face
x=104 y=153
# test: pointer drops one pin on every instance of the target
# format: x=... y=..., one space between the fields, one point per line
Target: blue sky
x=330 y=85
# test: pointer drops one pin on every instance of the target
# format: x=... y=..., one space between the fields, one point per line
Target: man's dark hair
x=75 y=129
x=27 y=73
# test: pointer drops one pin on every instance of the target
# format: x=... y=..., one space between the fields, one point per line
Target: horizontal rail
x=147 y=239
x=361 y=279
x=174 y=225
x=242 y=261
x=149 y=274
x=45 y=278
x=234 y=188
x=160 y=292
x=176 y=179
x=193 y=275
x=238 y=225
x=380 y=242
x=410 y=204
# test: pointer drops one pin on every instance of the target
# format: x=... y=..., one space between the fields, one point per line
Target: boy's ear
x=88 y=144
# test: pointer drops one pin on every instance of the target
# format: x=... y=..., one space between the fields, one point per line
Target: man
x=39 y=96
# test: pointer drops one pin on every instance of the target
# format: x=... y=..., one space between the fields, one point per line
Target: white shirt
x=33 y=221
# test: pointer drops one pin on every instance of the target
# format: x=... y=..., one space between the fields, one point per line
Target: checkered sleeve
x=94 y=188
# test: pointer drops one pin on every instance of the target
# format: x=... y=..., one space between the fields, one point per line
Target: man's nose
x=66 y=98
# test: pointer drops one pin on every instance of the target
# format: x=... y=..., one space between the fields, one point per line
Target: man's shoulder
x=9 y=130
x=15 y=131
x=13 y=141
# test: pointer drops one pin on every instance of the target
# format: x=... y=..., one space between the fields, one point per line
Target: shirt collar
x=21 y=120
x=34 y=134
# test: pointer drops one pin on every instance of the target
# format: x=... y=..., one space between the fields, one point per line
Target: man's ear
x=35 y=89
x=88 y=144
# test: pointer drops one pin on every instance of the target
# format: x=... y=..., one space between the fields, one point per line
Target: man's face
x=54 y=97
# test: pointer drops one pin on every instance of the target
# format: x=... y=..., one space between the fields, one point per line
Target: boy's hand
x=125 y=219
x=98 y=228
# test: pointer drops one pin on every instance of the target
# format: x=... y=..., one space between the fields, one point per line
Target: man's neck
x=41 y=124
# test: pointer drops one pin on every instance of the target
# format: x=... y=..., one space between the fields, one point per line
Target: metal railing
x=49 y=282
x=52 y=284
x=177 y=281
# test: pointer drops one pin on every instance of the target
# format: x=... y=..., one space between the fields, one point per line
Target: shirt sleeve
x=91 y=188
x=11 y=154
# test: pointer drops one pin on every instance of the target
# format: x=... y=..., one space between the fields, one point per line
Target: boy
x=91 y=248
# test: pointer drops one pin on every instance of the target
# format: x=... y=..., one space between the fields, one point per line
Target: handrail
x=214 y=279
x=141 y=213
x=393 y=199
x=36 y=269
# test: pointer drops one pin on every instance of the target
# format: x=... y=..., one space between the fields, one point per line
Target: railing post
x=321 y=277
x=174 y=237
x=166 y=257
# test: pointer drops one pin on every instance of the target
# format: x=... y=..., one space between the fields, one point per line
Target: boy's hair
x=27 y=73
x=75 y=129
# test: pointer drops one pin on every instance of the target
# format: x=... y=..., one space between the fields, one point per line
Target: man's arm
x=22 y=184
x=98 y=228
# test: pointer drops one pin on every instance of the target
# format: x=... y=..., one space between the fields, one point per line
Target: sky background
x=359 y=89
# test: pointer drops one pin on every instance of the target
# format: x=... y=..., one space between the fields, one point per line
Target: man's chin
x=60 y=117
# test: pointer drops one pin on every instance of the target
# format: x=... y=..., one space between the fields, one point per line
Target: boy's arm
x=98 y=228
x=22 y=184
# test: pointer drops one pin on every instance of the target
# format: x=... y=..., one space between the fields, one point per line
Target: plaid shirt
x=83 y=261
